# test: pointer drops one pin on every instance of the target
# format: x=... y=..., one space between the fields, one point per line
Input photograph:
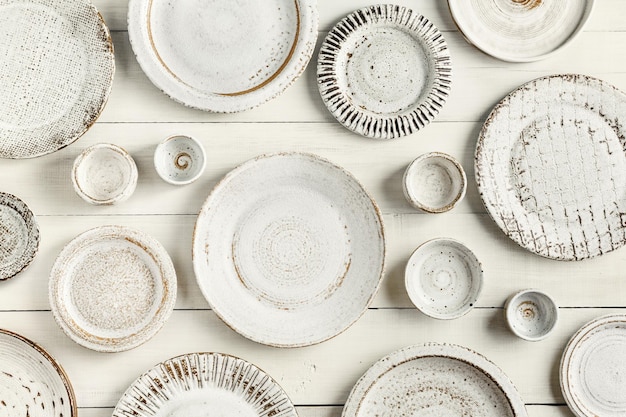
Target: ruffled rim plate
x=23 y=232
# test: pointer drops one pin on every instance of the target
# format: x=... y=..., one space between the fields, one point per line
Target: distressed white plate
x=384 y=71
x=112 y=288
x=56 y=72
x=289 y=249
x=435 y=380
x=19 y=236
x=32 y=383
x=223 y=56
x=520 y=30
x=551 y=167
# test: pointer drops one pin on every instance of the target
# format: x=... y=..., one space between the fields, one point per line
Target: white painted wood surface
x=317 y=378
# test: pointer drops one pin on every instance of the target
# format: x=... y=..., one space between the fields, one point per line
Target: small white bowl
x=531 y=314
x=434 y=182
x=443 y=278
x=179 y=159
x=104 y=174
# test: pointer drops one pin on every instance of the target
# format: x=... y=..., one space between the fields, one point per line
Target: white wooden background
x=319 y=378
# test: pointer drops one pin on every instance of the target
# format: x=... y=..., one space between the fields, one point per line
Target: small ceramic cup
x=104 y=174
x=179 y=159
x=531 y=314
x=434 y=182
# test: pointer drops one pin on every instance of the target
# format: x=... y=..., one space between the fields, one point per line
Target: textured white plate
x=384 y=71
x=223 y=56
x=551 y=167
x=289 y=249
x=112 y=288
x=56 y=71
x=520 y=30
x=19 y=236
x=593 y=368
x=435 y=380
x=32 y=383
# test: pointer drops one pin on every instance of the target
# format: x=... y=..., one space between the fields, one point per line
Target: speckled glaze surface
x=384 y=71
x=443 y=278
x=179 y=160
x=520 y=30
x=289 y=249
x=19 y=236
x=32 y=383
x=435 y=380
x=203 y=385
x=56 y=71
x=551 y=168
x=112 y=288
x=531 y=314
x=186 y=48
x=593 y=368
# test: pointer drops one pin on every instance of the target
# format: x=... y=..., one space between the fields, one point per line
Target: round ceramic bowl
x=434 y=182
x=179 y=159
x=104 y=174
x=443 y=278
x=531 y=314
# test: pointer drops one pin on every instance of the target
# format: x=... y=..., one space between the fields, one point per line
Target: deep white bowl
x=531 y=314
x=179 y=159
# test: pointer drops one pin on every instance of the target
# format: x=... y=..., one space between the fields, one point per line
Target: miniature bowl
x=443 y=278
x=179 y=159
x=531 y=314
x=104 y=174
x=434 y=182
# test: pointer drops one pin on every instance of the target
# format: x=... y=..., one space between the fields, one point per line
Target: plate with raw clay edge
x=19 y=236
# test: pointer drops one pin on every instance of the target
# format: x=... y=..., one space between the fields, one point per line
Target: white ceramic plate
x=56 y=71
x=289 y=249
x=435 y=380
x=223 y=56
x=593 y=368
x=32 y=383
x=551 y=167
x=19 y=236
x=384 y=71
x=520 y=30
x=112 y=288
x=203 y=384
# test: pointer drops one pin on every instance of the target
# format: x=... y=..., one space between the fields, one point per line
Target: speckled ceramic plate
x=185 y=385
x=551 y=167
x=289 y=249
x=112 y=288
x=19 y=236
x=32 y=383
x=56 y=71
x=436 y=380
x=223 y=56
x=384 y=71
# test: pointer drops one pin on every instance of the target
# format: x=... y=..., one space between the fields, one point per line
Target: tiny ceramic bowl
x=443 y=278
x=104 y=174
x=179 y=160
x=531 y=314
x=434 y=182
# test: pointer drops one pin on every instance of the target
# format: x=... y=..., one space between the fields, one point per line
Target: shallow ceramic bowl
x=531 y=314
x=179 y=160
x=443 y=278
x=434 y=182
x=104 y=174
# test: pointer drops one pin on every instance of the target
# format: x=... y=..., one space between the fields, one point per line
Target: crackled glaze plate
x=551 y=167
x=289 y=249
x=19 y=236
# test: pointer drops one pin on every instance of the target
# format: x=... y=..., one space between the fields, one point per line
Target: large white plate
x=223 y=56
x=551 y=166
x=19 y=236
x=289 y=249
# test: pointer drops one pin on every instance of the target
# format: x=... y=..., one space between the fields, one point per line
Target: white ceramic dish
x=32 y=383
x=289 y=249
x=443 y=278
x=179 y=160
x=435 y=380
x=56 y=66
x=19 y=236
x=551 y=167
x=112 y=288
x=223 y=56
x=520 y=30
x=434 y=182
x=384 y=71
x=531 y=314
x=593 y=368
